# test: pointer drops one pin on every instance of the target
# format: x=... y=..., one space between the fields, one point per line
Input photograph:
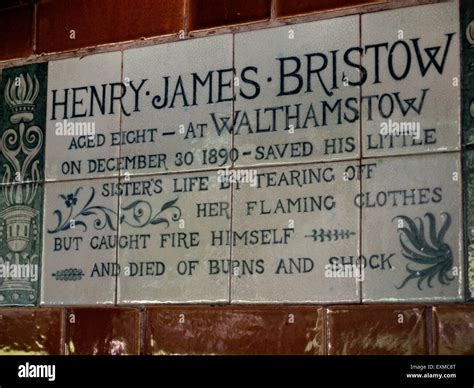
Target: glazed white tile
x=79 y=243
x=412 y=225
x=83 y=82
x=180 y=135
x=262 y=115
x=172 y=219
x=412 y=34
x=289 y=230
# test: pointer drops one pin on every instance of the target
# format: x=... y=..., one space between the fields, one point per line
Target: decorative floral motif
x=69 y=274
x=70 y=200
x=21 y=145
x=322 y=235
x=470 y=33
x=137 y=214
x=434 y=256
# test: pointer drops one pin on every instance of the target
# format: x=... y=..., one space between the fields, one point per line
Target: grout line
x=231 y=251
x=142 y=316
x=255 y=166
x=35 y=27
x=325 y=331
x=119 y=197
x=64 y=329
x=361 y=289
x=429 y=329
x=234 y=98
x=186 y=18
x=232 y=187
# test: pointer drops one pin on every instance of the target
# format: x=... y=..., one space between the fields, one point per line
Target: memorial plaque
x=412 y=229
x=296 y=100
x=411 y=94
x=177 y=96
x=274 y=166
x=80 y=242
x=294 y=229
x=84 y=108
x=174 y=239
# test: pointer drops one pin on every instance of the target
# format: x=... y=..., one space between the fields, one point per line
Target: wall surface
x=234 y=177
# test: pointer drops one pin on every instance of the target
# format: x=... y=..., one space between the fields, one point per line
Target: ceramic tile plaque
x=22 y=123
x=412 y=229
x=309 y=163
x=411 y=95
x=296 y=100
x=174 y=241
x=296 y=235
x=83 y=118
x=80 y=242
x=178 y=95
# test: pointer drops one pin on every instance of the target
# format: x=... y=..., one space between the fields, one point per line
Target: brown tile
x=16 y=32
x=377 y=330
x=103 y=331
x=214 y=13
x=9 y=3
x=285 y=8
x=31 y=331
x=106 y=21
x=453 y=329
x=234 y=330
